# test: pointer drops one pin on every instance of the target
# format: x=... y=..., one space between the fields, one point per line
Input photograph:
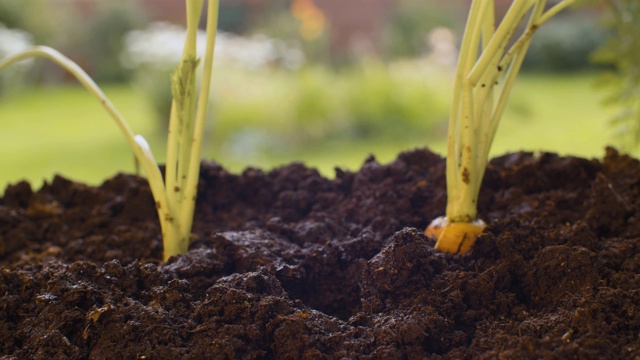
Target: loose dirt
x=287 y=264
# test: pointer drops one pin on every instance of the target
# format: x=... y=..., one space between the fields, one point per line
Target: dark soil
x=290 y=265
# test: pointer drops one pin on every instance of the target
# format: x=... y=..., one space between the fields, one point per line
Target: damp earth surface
x=287 y=264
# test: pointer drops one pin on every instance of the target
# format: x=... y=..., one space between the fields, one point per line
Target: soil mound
x=287 y=264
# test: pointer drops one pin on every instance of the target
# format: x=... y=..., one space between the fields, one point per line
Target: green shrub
x=261 y=99
x=565 y=44
x=318 y=103
x=94 y=41
x=391 y=101
x=281 y=111
x=622 y=54
x=104 y=39
x=405 y=35
x=32 y=16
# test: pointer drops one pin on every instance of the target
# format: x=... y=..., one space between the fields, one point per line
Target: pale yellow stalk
x=484 y=77
x=175 y=196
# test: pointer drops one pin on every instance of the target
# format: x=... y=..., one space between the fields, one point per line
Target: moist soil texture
x=287 y=264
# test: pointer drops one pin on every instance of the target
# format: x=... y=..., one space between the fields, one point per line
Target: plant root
x=454 y=237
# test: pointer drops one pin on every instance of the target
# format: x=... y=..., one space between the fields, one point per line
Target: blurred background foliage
x=320 y=81
x=30 y=16
x=566 y=43
x=410 y=23
x=621 y=55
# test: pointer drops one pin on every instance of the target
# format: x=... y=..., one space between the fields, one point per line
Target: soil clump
x=287 y=264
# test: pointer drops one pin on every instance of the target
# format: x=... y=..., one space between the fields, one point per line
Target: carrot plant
x=174 y=196
x=490 y=58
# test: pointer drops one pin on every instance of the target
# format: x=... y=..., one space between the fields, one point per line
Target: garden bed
x=287 y=264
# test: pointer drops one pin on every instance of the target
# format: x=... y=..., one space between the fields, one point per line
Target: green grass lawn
x=557 y=113
x=561 y=113
x=63 y=130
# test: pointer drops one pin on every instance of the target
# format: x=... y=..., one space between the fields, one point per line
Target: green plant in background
x=487 y=67
x=324 y=107
x=22 y=23
x=103 y=39
x=565 y=44
x=175 y=196
x=390 y=101
x=32 y=16
x=622 y=53
x=405 y=35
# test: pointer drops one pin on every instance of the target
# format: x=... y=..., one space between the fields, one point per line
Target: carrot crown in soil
x=488 y=63
x=175 y=196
